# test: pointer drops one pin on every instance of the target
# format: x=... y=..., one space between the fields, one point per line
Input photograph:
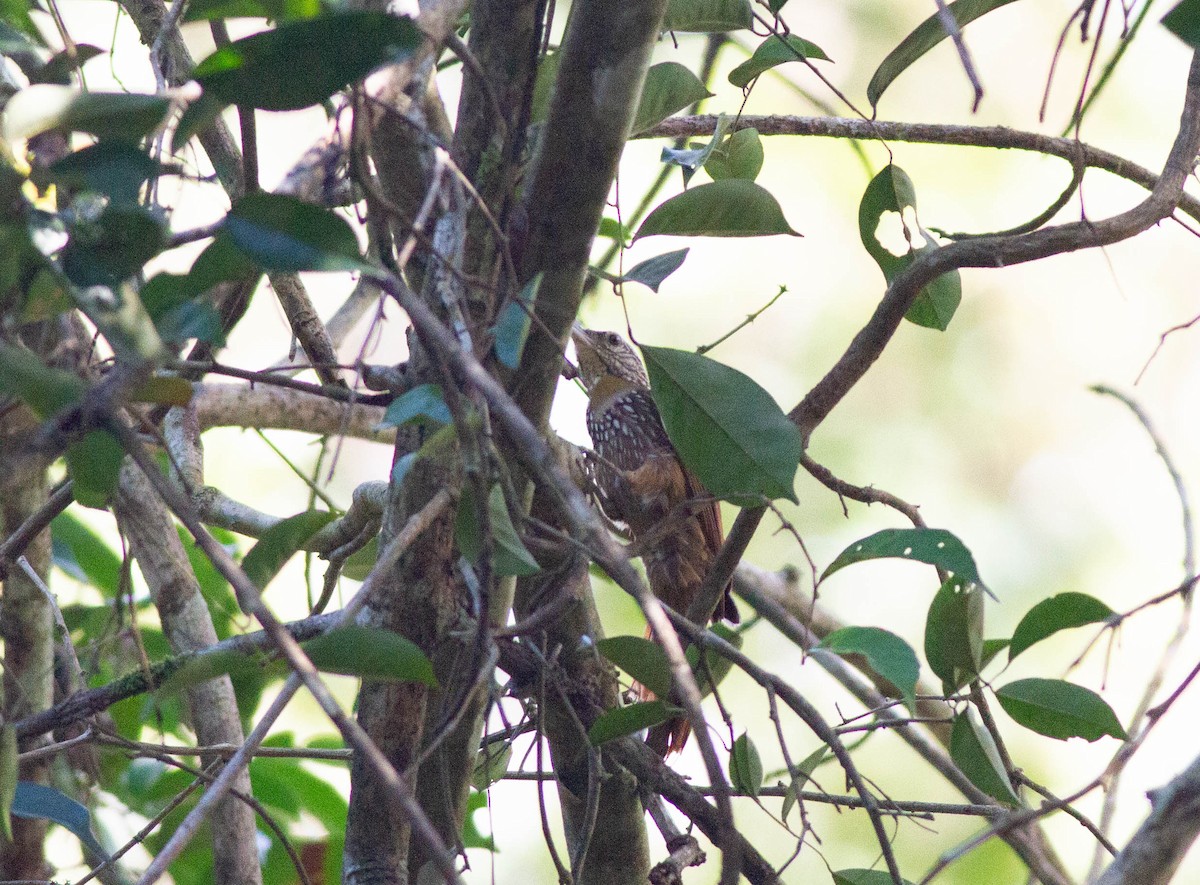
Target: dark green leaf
x=708 y=16
x=9 y=760
x=44 y=389
x=94 y=464
x=81 y=553
x=924 y=37
x=331 y=51
x=745 y=766
x=670 y=87
x=423 y=405
x=512 y=326
x=197 y=116
x=717 y=667
x=1059 y=709
x=370 y=653
x=889 y=655
x=864 y=877
x=773 y=51
x=653 y=271
x=37 y=801
x=116 y=115
x=975 y=753
x=112 y=248
x=1061 y=612
x=509 y=554
x=275 y=10
x=642 y=659
x=360 y=562
x=954 y=633
x=800 y=776
x=622 y=721
x=739 y=156
x=278 y=544
x=726 y=428
x=730 y=208
x=62 y=64
x=890 y=198
x=936 y=547
x=991 y=648
x=283 y=233
x=113 y=168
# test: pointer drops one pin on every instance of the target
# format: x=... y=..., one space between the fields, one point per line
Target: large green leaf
x=889 y=655
x=739 y=156
x=303 y=62
x=733 y=207
x=1061 y=612
x=81 y=553
x=370 y=653
x=975 y=753
x=280 y=542
x=773 y=51
x=726 y=428
x=281 y=232
x=670 y=87
x=1059 y=709
x=643 y=659
x=954 y=633
x=936 y=547
x=622 y=721
x=111 y=248
x=509 y=554
x=891 y=196
x=114 y=168
x=708 y=16
x=117 y=115
x=924 y=37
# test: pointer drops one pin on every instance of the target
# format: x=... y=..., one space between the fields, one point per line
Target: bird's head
x=606 y=355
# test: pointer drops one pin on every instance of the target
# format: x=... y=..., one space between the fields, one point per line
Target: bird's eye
x=613 y=338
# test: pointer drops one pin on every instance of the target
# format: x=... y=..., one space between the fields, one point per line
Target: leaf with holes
x=1061 y=612
x=627 y=720
x=889 y=656
x=924 y=37
x=1060 y=709
x=726 y=428
x=670 y=87
x=642 y=659
x=774 y=51
x=975 y=753
x=890 y=196
x=745 y=766
x=936 y=547
x=278 y=544
x=730 y=208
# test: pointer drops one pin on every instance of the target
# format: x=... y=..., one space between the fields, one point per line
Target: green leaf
x=471 y=837
x=112 y=248
x=44 y=389
x=730 y=208
x=62 y=64
x=9 y=761
x=653 y=271
x=370 y=653
x=14 y=15
x=1061 y=612
x=924 y=37
x=302 y=63
x=991 y=648
x=975 y=753
x=864 y=877
x=113 y=168
x=36 y=801
x=670 y=87
x=278 y=544
x=890 y=196
x=954 y=633
x=800 y=775
x=116 y=115
x=360 y=562
x=936 y=547
x=94 y=464
x=423 y=405
x=745 y=766
x=726 y=428
x=622 y=721
x=281 y=232
x=512 y=325
x=708 y=16
x=491 y=765
x=739 y=156
x=889 y=655
x=275 y=10
x=717 y=666
x=642 y=659
x=774 y=51
x=509 y=555
x=196 y=117
x=81 y=553
x=1059 y=709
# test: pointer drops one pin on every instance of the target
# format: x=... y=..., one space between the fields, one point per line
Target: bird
x=640 y=481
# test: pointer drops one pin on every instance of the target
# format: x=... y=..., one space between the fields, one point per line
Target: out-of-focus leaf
x=670 y=87
x=195 y=117
x=891 y=196
x=730 y=208
x=170 y=390
x=509 y=554
x=117 y=115
x=1061 y=612
x=889 y=655
x=114 y=168
x=975 y=753
x=62 y=64
x=708 y=16
x=370 y=653
x=94 y=464
x=745 y=766
x=44 y=389
x=422 y=405
x=471 y=837
x=37 y=801
x=642 y=659
x=9 y=760
x=739 y=156
x=278 y=544
x=81 y=553
x=281 y=232
x=112 y=247
x=303 y=62
x=491 y=765
x=773 y=51
x=864 y=877
x=275 y=10
x=1060 y=709
x=512 y=325
x=630 y=719
x=726 y=428
x=924 y=37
